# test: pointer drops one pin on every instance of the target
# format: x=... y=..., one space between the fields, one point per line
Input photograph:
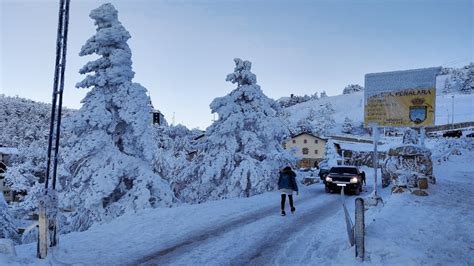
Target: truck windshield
x=343 y=170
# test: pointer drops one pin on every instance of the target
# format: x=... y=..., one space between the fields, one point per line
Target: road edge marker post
x=359 y=229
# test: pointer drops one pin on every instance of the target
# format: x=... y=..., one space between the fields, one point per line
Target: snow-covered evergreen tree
x=347 y=125
x=174 y=143
x=323 y=94
x=468 y=85
x=351 y=88
x=110 y=152
x=454 y=82
x=330 y=156
x=8 y=226
x=315 y=96
x=325 y=120
x=242 y=152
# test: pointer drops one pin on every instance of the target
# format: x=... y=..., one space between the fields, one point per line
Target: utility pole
x=48 y=204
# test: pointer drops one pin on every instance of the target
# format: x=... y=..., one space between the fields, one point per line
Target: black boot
x=283 y=199
x=293 y=209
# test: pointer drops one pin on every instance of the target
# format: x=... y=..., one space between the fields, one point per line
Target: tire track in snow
x=202 y=236
x=264 y=252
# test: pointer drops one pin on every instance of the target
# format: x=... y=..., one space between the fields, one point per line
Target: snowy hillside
x=23 y=121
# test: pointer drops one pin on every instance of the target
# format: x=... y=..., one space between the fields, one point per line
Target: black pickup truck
x=348 y=177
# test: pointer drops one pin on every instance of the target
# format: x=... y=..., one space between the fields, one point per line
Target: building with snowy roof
x=307 y=146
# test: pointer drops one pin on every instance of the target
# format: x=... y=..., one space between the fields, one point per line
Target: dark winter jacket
x=287 y=180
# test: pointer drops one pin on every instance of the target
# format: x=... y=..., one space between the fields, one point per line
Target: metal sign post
x=375 y=133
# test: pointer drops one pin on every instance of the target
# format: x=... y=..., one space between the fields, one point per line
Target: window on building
x=315 y=151
x=316 y=141
x=294 y=141
x=305 y=151
x=305 y=141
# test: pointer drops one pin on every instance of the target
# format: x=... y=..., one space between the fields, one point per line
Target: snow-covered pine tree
x=330 y=156
x=8 y=226
x=347 y=125
x=242 y=152
x=110 y=152
x=309 y=124
x=454 y=82
x=323 y=95
x=468 y=85
x=351 y=88
x=325 y=118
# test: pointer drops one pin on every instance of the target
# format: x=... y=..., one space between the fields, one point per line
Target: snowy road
x=256 y=238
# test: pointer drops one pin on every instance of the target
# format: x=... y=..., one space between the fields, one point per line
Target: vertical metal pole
x=452 y=112
x=61 y=89
x=53 y=220
x=55 y=91
x=375 y=133
x=359 y=228
x=422 y=136
x=48 y=204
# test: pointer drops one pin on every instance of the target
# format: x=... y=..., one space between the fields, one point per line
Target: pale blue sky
x=183 y=50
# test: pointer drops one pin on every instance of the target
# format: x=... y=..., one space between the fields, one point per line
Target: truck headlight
x=354 y=180
x=328 y=179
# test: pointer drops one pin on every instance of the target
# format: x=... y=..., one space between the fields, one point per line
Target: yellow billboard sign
x=402 y=108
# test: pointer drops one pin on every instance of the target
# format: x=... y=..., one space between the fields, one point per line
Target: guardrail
x=463 y=125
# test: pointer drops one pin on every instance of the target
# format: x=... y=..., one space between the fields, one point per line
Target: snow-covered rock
x=405 y=164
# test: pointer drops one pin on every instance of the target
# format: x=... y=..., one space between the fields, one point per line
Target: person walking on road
x=287 y=185
x=362 y=175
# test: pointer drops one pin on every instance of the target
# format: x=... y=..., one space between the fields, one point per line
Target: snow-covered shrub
x=241 y=153
x=323 y=95
x=351 y=88
x=444 y=148
x=410 y=136
x=347 y=125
